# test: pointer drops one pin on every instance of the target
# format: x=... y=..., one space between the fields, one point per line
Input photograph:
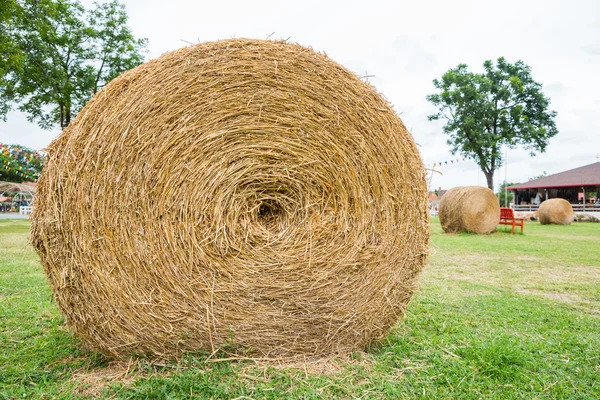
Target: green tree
x=543 y=174
x=63 y=55
x=505 y=196
x=19 y=163
x=501 y=106
x=9 y=53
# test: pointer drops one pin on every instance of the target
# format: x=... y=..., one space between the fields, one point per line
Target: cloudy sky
x=404 y=46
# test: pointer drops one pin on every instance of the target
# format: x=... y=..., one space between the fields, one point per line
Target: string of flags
x=443 y=163
x=12 y=159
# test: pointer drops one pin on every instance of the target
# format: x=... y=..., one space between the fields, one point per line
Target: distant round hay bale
x=248 y=195
x=555 y=211
x=469 y=209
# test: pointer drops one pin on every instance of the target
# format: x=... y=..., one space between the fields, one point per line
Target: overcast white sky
x=405 y=45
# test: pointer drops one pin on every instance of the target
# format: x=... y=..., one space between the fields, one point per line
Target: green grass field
x=500 y=316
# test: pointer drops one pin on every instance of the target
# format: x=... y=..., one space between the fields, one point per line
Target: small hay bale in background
x=556 y=211
x=469 y=208
x=251 y=195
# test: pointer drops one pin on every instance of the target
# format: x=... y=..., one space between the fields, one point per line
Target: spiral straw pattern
x=243 y=195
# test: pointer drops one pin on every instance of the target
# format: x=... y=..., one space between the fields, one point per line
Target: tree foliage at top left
x=55 y=55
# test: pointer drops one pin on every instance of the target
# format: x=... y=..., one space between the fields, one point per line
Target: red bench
x=507 y=217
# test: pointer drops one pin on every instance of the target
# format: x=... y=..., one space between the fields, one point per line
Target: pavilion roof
x=588 y=175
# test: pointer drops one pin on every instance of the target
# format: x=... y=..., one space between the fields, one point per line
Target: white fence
x=577 y=208
x=25 y=210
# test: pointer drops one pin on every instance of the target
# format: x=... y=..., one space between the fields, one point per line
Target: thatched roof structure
x=12 y=187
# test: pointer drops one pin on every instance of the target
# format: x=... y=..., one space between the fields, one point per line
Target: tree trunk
x=62 y=115
x=489 y=176
x=67 y=116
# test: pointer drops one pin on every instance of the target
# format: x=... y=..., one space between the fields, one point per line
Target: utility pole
x=505 y=175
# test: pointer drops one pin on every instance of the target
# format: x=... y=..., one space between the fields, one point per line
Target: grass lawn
x=500 y=316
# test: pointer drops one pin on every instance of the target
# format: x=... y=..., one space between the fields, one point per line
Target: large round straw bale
x=241 y=194
x=556 y=211
x=469 y=209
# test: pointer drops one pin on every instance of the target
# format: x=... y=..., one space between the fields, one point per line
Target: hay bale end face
x=556 y=211
x=251 y=195
x=469 y=209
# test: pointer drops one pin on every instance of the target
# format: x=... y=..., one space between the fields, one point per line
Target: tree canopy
x=57 y=55
x=9 y=55
x=505 y=197
x=484 y=111
x=19 y=163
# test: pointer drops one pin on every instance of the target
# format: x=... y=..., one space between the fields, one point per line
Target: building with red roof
x=580 y=186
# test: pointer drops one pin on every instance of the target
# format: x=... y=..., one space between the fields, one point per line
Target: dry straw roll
x=469 y=209
x=245 y=195
x=556 y=211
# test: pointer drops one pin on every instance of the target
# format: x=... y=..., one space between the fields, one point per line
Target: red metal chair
x=507 y=217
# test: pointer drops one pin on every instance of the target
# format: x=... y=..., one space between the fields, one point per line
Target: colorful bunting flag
x=453 y=161
x=23 y=163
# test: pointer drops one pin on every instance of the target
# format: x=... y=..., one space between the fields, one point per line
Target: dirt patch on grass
x=568 y=298
x=91 y=383
x=515 y=274
x=320 y=366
